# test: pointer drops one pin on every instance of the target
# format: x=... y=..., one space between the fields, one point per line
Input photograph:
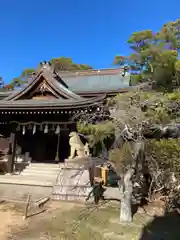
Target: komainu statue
x=77 y=148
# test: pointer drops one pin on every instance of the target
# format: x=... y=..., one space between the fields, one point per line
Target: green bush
x=99 y=135
x=96 y=132
x=174 y=95
x=166 y=152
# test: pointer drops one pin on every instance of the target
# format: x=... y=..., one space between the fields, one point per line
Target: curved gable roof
x=64 y=97
x=52 y=80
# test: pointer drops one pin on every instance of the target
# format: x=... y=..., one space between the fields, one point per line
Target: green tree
x=154 y=55
x=28 y=71
x=22 y=79
x=16 y=82
x=64 y=63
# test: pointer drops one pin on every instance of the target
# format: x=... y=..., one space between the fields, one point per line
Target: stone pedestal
x=73 y=182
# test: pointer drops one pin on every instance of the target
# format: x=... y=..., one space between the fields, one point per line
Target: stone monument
x=75 y=178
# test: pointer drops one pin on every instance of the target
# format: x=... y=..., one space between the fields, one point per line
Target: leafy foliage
x=100 y=136
x=154 y=56
x=64 y=64
x=96 y=132
x=16 y=82
x=121 y=157
x=174 y=95
x=142 y=106
x=166 y=152
x=27 y=71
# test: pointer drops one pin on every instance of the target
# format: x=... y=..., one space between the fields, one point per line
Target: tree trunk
x=126 y=190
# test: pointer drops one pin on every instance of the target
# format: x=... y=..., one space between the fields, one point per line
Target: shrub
x=166 y=152
x=174 y=96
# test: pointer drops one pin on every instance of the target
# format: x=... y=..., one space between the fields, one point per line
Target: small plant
x=174 y=96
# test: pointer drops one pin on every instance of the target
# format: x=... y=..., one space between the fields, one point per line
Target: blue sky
x=90 y=32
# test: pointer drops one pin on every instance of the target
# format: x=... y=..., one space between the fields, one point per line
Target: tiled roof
x=86 y=82
x=30 y=104
x=97 y=83
x=102 y=80
x=46 y=78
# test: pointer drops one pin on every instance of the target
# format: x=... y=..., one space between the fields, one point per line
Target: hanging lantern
x=23 y=130
x=57 y=129
x=34 y=129
x=46 y=129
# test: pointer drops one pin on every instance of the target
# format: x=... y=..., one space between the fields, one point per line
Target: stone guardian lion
x=77 y=148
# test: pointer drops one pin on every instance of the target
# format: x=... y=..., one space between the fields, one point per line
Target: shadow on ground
x=162 y=228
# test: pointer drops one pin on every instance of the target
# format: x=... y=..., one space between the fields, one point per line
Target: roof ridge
x=93 y=69
x=52 y=78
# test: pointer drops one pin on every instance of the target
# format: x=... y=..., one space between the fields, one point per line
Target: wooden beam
x=12 y=152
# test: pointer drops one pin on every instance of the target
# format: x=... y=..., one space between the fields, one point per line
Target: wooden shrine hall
x=35 y=121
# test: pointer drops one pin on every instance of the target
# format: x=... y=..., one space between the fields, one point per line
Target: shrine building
x=36 y=120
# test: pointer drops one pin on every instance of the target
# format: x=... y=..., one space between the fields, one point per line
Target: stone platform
x=67 y=181
x=73 y=182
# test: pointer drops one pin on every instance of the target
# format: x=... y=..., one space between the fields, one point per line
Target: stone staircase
x=36 y=179
x=35 y=174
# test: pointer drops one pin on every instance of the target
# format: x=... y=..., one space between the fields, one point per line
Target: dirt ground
x=72 y=221
x=9 y=217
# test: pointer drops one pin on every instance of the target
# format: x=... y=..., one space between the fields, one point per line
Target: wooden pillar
x=12 y=152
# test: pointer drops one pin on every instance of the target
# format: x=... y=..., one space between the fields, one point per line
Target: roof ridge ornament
x=45 y=64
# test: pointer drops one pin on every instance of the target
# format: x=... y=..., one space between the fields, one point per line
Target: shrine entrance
x=45 y=148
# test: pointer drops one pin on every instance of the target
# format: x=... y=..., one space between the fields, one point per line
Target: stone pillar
x=12 y=152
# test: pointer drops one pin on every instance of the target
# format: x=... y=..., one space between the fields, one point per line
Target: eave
x=56 y=104
x=107 y=93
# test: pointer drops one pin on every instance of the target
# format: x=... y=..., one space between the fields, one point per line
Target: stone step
x=33 y=177
x=25 y=181
x=43 y=166
x=34 y=174
x=41 y=171
x=39 y=175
